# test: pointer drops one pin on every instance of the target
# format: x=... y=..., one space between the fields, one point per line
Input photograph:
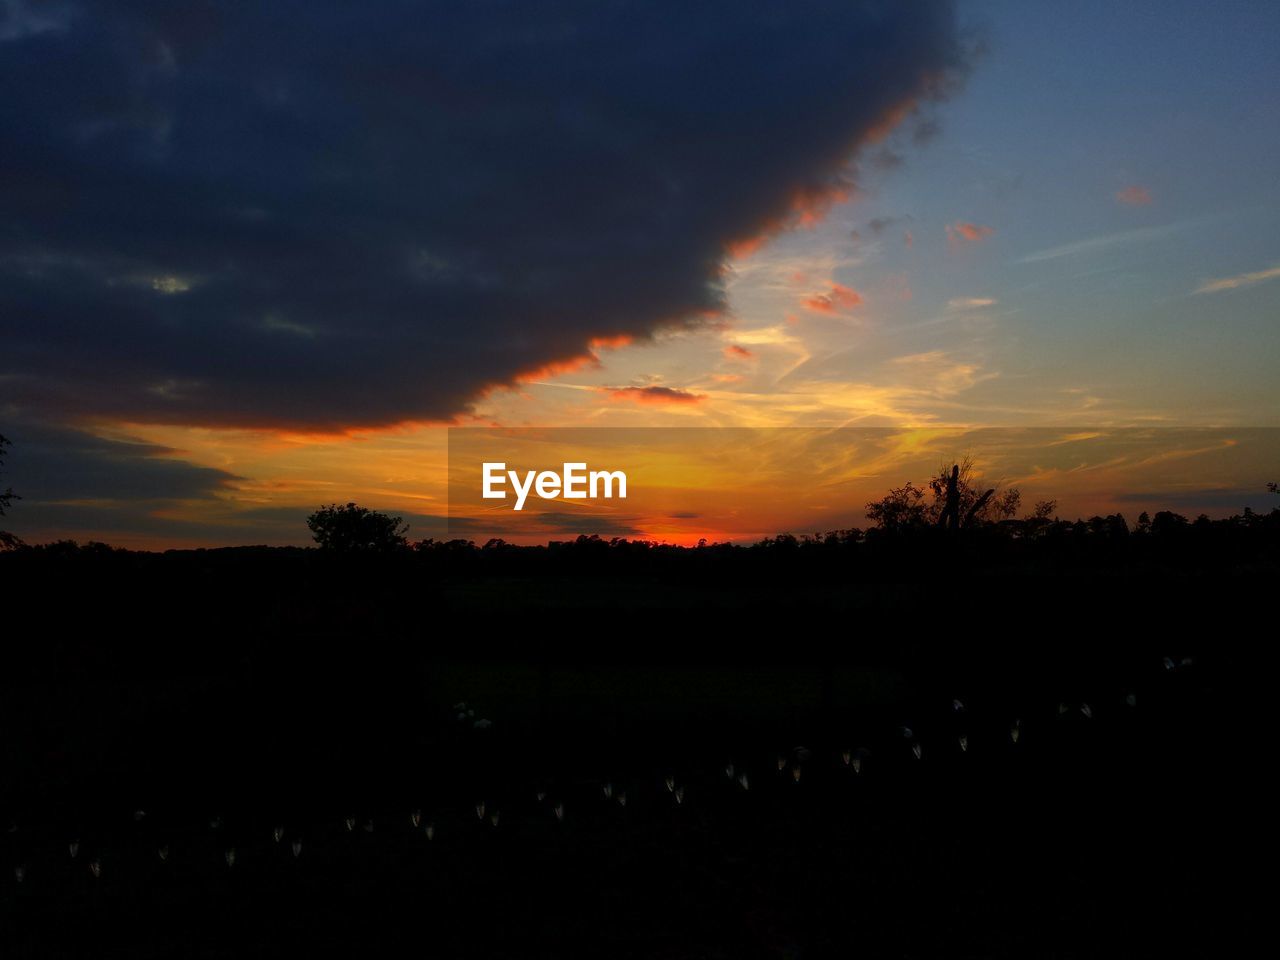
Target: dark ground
x=284 y=691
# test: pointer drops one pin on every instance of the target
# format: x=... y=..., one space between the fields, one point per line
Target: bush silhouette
x=355 y=529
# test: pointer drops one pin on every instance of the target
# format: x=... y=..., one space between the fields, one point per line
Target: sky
x=258 y=259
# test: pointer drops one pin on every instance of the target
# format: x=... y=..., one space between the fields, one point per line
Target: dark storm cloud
x=48 y=463
x=72 y=480
x=326 y=214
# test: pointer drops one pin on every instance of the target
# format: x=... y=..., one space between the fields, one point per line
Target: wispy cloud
x=1239 y=280
x=1095 y=244
x=970 y=303
x=765 y=335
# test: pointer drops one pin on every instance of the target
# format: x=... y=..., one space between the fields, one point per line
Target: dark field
x=226 y=698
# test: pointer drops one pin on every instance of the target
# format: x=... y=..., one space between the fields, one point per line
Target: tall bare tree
x=7 y=540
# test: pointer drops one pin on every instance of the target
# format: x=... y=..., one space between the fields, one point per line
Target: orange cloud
x=1134 y=195
x=558 y=368
x=727 y=378
x=808 y=208
x=844 y=296
x=838 y=298
x=735 y=352
x=890 y=119
x=656 y=395
x=589 y=359
x=611 y=342
x=741 y=249
x=964 y=232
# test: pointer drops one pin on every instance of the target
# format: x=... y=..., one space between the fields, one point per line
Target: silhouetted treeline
x=1167 y=541
x=460 y=597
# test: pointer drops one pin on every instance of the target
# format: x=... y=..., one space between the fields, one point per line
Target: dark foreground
x=366 y=713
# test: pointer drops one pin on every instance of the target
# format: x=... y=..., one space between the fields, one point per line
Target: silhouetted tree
x=900 y=509
x=7 y=540
x=959 y=500
x=355 y=529
x=1040 y=519
x=1044 y=509
x=1113 y=525
x=1167 y=522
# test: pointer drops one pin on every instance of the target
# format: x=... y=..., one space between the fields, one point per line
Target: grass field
x=1107 y=827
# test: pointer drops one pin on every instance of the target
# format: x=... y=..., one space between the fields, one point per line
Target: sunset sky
x=254 y=260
